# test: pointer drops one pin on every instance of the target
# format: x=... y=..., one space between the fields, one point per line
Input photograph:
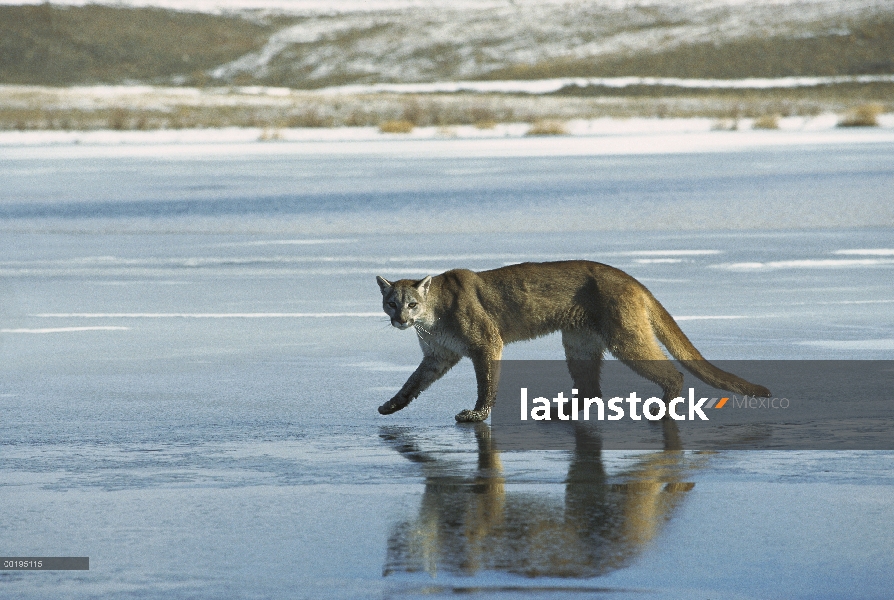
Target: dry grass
x=725 y=125
x=547 y=128
x=865 y=115
x=485 y=124
x=270 y=135
x=766 y=122
x=396 y=126
x=39 y=108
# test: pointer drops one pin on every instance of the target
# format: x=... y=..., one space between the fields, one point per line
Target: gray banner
x=813 y=405
x=44 y=563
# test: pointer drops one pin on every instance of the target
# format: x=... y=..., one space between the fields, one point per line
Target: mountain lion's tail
x=676 y=342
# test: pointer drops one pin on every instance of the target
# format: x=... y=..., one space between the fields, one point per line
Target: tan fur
x=595 y=306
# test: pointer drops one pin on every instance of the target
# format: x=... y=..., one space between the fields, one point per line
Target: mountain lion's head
x=404 y=300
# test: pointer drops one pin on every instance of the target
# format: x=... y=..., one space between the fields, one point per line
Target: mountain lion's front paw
x=392 y=406
x=472 y=416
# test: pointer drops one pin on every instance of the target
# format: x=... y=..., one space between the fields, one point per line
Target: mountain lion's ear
x=423 y=286
x=384 y=284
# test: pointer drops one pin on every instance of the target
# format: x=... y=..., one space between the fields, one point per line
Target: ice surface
x=198 y=412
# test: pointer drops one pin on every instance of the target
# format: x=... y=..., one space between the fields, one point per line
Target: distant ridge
x=57 y=45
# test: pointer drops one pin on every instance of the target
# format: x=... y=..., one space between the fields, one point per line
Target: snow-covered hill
x=316 y=43
x=307 y=7
x=429 y=43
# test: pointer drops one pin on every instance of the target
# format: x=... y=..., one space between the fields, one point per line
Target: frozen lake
x=192 y=353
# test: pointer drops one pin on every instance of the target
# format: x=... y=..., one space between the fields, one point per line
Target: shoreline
x=606 y=136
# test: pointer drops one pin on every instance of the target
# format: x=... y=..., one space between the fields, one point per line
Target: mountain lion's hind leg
x=640 y=351
x=584 y=350
x=429 y=370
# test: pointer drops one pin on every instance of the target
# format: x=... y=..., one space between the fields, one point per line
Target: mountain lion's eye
x=412 y=305
x=392 y=305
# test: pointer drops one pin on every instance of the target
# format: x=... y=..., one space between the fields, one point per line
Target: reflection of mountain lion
x=468 y=524
x=596 y=307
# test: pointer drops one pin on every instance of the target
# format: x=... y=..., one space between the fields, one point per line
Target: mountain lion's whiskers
x=420 y=330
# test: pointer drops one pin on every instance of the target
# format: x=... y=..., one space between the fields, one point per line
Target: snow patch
x=880 y=344
x=867 y=252
x=824 y=263
x=547 y=86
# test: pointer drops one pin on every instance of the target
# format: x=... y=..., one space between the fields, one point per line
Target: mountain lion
x=595 y=306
